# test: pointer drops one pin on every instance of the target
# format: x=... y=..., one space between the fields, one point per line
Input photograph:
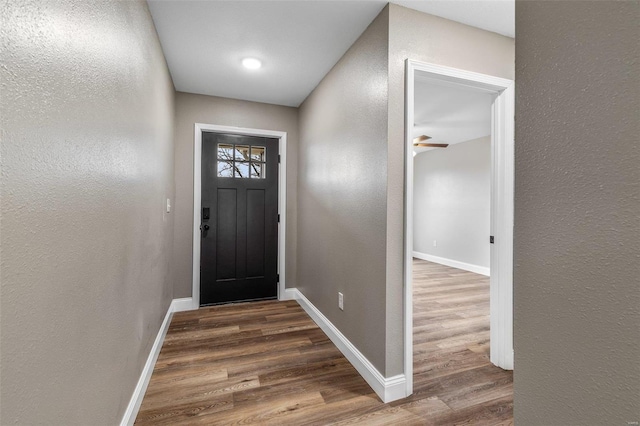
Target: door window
x=241 y=161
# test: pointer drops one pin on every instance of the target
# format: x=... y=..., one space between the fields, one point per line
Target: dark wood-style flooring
x=268 y=363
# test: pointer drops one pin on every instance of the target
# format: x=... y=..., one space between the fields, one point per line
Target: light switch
x=168 y=205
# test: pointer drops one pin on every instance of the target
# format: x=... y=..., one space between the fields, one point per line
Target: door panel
x=226 y=226
x=240 y=190
x=255 y=232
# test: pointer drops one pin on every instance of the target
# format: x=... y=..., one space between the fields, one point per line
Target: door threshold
x=237 y=302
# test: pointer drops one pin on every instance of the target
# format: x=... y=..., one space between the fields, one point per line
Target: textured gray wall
x=342 y=192
x=577 y=207
x=452 y=202
x=427 y=38
x=87 y=162
x=191 y=109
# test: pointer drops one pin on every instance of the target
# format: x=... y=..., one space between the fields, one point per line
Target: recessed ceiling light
x=251 y=63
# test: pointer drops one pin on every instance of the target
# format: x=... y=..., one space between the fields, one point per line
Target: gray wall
x=577 y=204
x=342 y=192
x=427 y=38
x=191 y=109
x=87 y=163
x=452 y=202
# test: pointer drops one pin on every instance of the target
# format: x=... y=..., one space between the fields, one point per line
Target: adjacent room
x=451 y=241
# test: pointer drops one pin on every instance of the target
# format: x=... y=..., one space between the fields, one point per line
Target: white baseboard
x=289 y=294
x=177 y=305
x=482 y=270
x=183 y=304
x=388 y=389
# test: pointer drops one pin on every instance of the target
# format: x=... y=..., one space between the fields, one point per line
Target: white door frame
x=197 y=201
x=502 y=187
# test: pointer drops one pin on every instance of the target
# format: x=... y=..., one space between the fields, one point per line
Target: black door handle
x=205 y=227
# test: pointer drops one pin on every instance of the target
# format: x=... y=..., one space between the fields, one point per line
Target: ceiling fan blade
x=421 y=139
x=431 y=145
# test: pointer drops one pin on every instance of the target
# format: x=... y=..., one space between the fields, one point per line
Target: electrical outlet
x=435 y=243
x=341 y=301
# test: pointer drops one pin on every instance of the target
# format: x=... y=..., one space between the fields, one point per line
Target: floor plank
x=268 y=363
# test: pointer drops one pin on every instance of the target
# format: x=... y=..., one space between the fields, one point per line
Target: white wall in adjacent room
x=452 y=202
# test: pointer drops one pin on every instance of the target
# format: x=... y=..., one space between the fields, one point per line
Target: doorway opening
x=228 y=147
x=439 y=244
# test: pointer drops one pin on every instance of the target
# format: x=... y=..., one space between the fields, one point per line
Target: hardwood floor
x=268 y=363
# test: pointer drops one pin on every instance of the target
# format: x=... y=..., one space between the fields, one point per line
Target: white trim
x=289 y=294
x=183 y=304
x=501 y=282
x=502 y=194
x=387 y=388
x=197 y=206
x=409 y=100
x=482 y=270
x=197 y=201
x=131 y=412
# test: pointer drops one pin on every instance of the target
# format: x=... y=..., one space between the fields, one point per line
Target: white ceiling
x=450 y=114
x=297 y=41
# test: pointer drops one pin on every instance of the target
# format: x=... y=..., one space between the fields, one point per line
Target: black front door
x=239 y=228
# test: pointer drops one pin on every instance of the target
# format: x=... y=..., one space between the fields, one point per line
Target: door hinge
x=278 y=158
x=491 y=239
x=277 y=278
x=278 y=218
